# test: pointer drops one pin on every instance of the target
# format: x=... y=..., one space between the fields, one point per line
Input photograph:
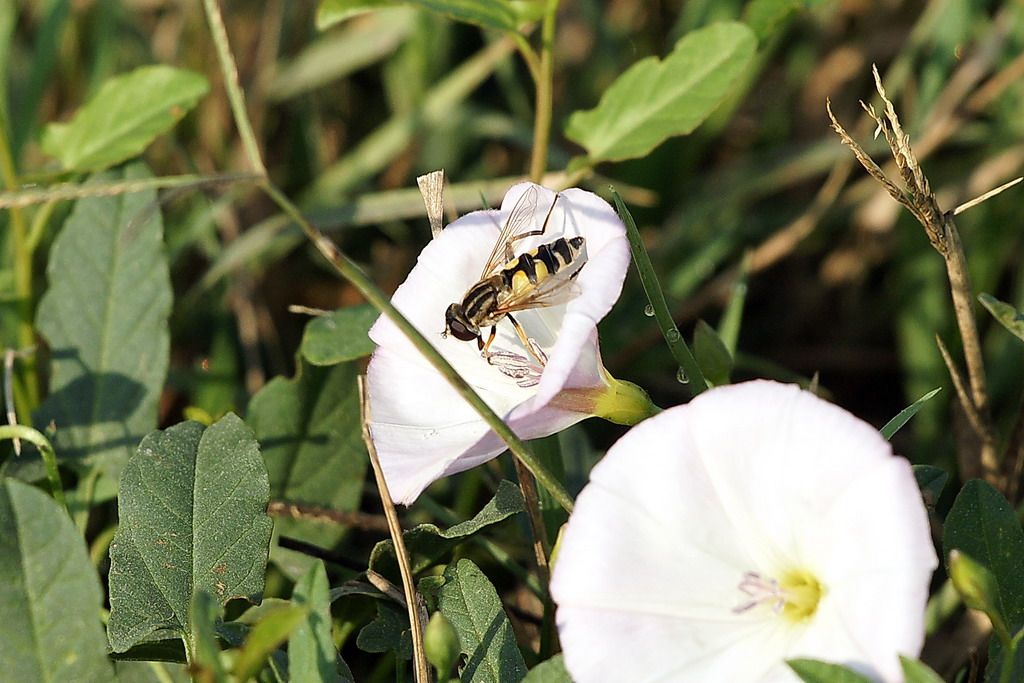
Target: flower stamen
x=518 y=367
x=795 y=597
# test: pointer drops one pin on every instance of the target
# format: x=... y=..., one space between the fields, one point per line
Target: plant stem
x=412 y=600
x=649 y=280
x=28 y=389
x=26 y=433
x=542 y=115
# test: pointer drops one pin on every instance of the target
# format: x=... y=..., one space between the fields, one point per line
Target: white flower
x=757 y=523
x=422 y=429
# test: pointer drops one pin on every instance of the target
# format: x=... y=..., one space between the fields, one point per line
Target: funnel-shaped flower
x=756 y=524
x=422 y=429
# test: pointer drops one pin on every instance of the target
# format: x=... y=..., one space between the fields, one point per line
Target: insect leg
x=527 y=342
x=509 y=254
x=483 y=347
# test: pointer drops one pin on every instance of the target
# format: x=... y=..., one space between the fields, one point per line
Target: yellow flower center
x=794 y=597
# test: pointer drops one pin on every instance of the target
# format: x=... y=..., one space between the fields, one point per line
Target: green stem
x=542 y=115
x=234 y=91
x=1010 y=657
x=26 y=433
x=649 y=280
x=27 y=389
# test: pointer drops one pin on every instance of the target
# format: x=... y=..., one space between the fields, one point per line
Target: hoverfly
x=539 y=278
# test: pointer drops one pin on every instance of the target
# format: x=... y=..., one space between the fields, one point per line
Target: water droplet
x=681 y=376
x=672 y=335
x=649 y=311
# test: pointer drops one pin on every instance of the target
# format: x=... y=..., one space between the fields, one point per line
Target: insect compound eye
x=454 y=324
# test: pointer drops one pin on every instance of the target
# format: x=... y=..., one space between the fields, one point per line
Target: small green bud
x=441 y=644
x=978 y=588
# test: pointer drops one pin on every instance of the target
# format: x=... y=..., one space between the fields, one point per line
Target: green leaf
x=204 y=613
x=918 y=672
x=389 y=631
x=712 y=356
x=50 y=596
x=273 y=629
x=983 y=525
x=893 y=425
x=126 y=114
x=425 y=543
x=655 y=100
x=192 y=509
x=105 y=319
x=496 y=14
x=931 y=480
x=311 y=652
x=813 y=671
x=340 y=336
x=470 y=603
x=550 y=671
x=312 y=444
x=1008 y=316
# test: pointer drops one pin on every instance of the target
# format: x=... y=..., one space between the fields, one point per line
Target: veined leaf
x=312 y=444
x=192 y=508
x=658 y=99
x=105 y=319
x=426 y=542
x=470 y=603
x=124 y=116
x=496 y=14
x=339 y=336
x=983 y=525
x=51 y=595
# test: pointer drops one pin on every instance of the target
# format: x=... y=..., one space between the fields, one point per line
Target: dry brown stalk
x=916 y=195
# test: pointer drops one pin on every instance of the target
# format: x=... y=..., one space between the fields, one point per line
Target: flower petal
x=757 y=477
x=421 y=427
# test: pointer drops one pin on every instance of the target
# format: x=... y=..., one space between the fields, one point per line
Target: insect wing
x=518 y=222
x=557 y=289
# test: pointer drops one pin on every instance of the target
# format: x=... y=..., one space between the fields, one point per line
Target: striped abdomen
x=533 y=267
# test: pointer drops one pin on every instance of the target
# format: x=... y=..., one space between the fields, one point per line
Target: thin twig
x=544 y=101
x=418 y=654
x=969 y=467
x=315 y=513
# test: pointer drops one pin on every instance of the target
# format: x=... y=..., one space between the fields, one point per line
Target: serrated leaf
x=311 y=652
x=343 y=335
x=712 y=356
x=272 y=630
x=192 y=509
x=50 y=595
x=903 y=417
x=425 y=543
x=124 y=116
x=312 y=444
x=470 y=603
x=550 y=671
x=1008 y=316
x=104 y=317
x=813 y=671
x=918 y=672
x=496 y=14
x=983 y=525
x=658 y=99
